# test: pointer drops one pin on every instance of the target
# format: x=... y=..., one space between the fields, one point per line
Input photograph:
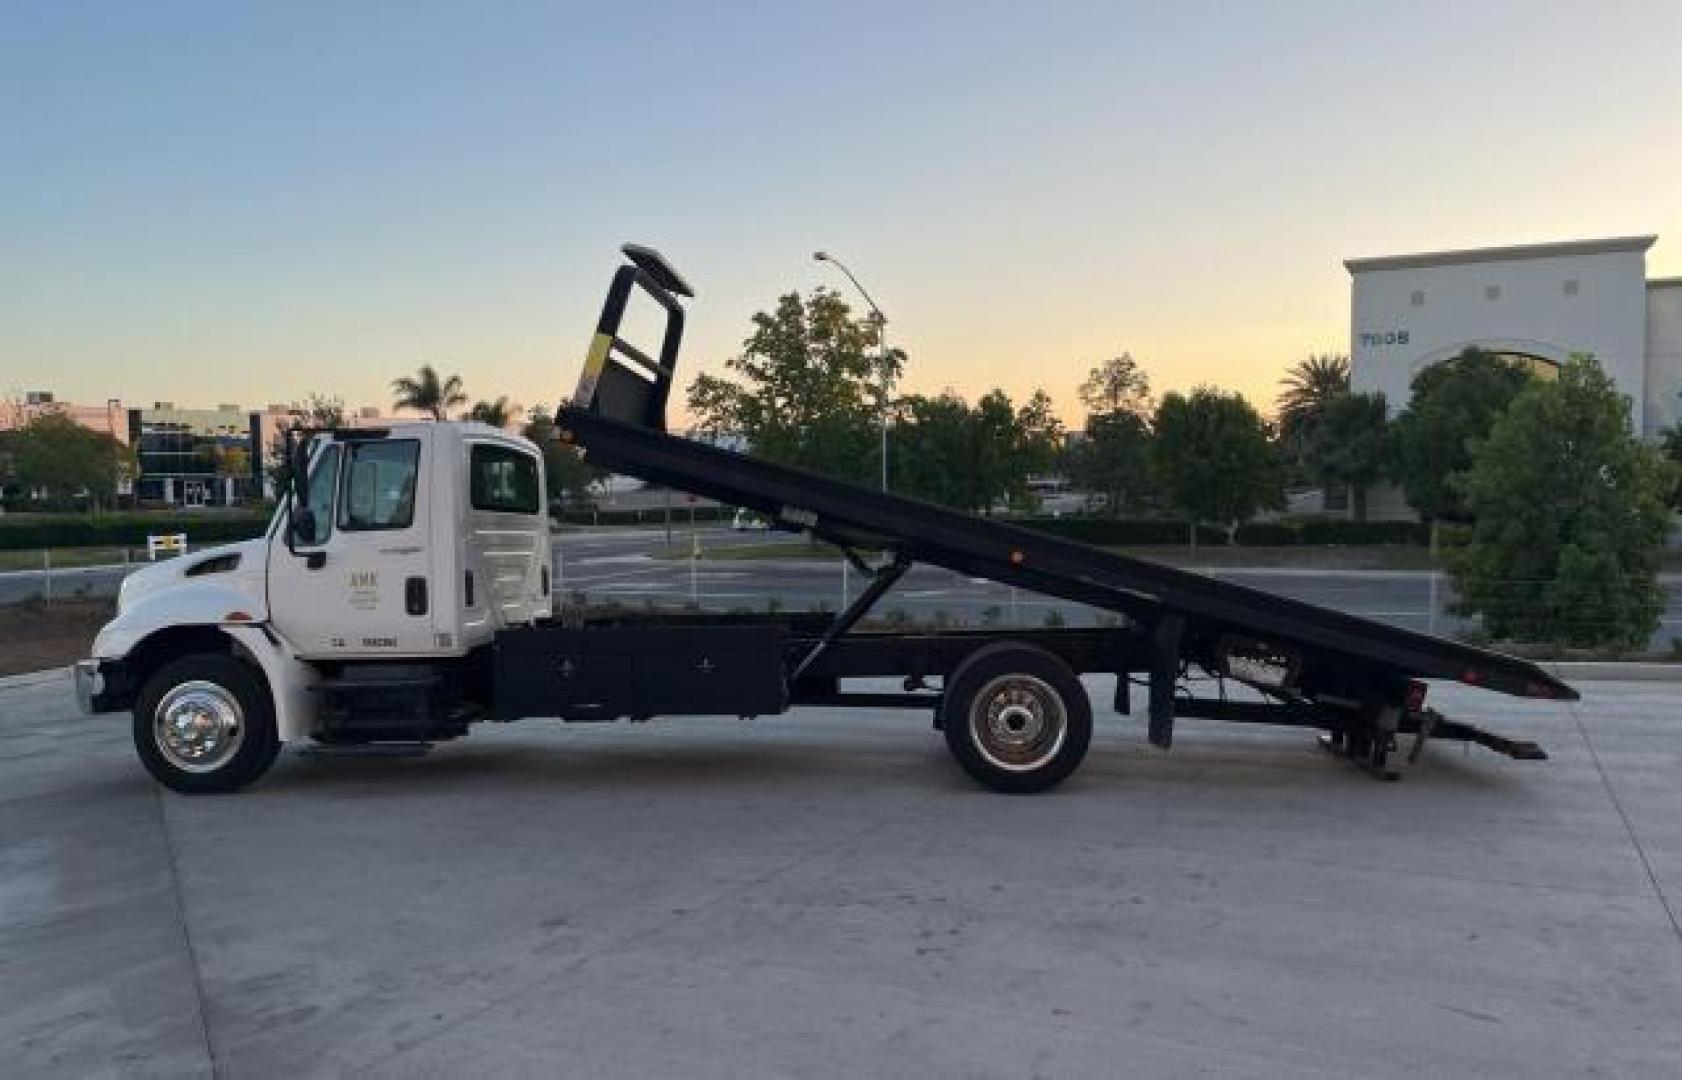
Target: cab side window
x=380 y=478
x=319 y=494
x=503 y=480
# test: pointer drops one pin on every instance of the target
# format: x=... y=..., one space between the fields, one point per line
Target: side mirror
x=302 y=530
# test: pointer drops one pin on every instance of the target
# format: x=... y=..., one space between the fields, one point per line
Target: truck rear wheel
x=1016 y=718
x=204 y=724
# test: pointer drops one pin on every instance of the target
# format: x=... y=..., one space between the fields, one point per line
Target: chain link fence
x=61 y=574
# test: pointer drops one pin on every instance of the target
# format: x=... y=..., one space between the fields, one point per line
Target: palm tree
x=426 y=392
x=498 y=413
x=1308 y=385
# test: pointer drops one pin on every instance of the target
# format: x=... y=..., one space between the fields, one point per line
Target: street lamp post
x=882 y=344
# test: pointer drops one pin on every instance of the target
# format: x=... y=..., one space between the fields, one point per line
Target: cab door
x=361 y=585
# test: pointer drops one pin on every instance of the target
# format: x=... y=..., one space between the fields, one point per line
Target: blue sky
x=225 y=202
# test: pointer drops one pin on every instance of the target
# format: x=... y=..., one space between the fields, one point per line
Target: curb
x=61 y=571
x=1614 y=671
x=34 y=678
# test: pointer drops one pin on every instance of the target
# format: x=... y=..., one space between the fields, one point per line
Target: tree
x=568 y=478
x=934 y=458
x=1308 y=386
x=807 y=390
x=1570 y=516
x=68 y=461
x=231 y=462
x=1213 y=458
x=9 y=439
x=974 y=458
x=1037 y=439
x=319 y=412
x=1113 y=460
x=498 y=413
x=1349 y=445
x=1671 y=443
x=427 y=392
x=1452 y=408
x=1117 y=385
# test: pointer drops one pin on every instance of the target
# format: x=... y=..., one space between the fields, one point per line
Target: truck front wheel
x=204 y=724
x=1016 y=718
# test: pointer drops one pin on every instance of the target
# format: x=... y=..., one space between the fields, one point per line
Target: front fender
x=207 y=603
x=210 y=605
x=289 y=680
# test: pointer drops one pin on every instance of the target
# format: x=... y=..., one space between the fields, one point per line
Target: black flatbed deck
x=1144 y=591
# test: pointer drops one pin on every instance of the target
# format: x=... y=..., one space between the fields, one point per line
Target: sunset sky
x=222 y=202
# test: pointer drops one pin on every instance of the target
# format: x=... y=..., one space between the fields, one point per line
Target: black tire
x=1016 y=718
x=204 y=724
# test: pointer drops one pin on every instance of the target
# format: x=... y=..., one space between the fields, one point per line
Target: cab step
x=387 y=705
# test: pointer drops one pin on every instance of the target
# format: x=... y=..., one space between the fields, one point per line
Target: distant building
x=1538 y=303
x=275 y=419
x=186 y=456
x=196 y=457
x=110 y=418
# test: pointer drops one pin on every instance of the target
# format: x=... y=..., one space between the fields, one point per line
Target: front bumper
x=102 y=685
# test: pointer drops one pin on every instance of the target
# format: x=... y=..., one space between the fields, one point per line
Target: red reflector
x=1016 y=558
x=1416 y=695
x=237 y=616
x=1471 y=678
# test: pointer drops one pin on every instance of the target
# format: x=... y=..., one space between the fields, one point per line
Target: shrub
x=1269 y=534
x=125 y=530
x=1336 y=531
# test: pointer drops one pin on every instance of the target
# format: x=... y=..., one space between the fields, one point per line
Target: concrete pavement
x=824 y=894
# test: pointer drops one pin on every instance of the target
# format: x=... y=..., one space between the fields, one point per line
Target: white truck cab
x=365 y=613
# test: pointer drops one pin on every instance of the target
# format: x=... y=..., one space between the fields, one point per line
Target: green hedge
x=1332 y=531
x=1314 y=531
x=124 y=530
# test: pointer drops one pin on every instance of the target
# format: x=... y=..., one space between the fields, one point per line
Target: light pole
x=881 y=342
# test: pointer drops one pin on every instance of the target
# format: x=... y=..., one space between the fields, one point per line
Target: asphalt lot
x=824 y=894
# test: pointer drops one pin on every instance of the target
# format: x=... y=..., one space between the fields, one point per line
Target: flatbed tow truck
x=402 y=593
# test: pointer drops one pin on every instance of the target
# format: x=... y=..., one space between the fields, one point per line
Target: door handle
x=414 y=595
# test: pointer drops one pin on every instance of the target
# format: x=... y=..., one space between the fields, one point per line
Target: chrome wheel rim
x=198 y=726
x=1018 y=722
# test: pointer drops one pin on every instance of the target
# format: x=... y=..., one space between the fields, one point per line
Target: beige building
x=110 y=418
x=184 y=453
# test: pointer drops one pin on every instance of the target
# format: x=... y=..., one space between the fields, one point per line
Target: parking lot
x=825 y=894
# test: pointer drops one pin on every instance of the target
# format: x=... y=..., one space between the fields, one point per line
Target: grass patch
x=1304 y=557
x=63 y=558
